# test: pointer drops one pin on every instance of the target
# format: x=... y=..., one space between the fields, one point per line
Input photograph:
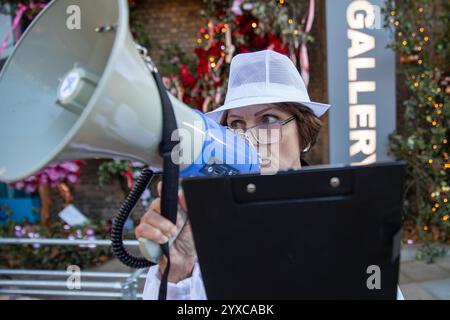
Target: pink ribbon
x=304 y=60
x=21 y=9
x=16 y=21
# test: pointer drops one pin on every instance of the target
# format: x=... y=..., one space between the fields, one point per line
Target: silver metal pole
x=64 y=242
x=62 y=284
x=130 y=285
x=70 y=293
x=28 y=272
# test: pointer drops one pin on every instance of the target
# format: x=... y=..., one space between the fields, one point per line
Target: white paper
x=72 y=216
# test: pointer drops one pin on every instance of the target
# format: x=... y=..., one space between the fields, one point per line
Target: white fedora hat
x=265 y=77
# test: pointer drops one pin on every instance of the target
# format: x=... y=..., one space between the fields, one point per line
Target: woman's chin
x=268 y=166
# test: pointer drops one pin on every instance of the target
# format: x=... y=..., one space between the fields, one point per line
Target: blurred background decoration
x=57 y=176
x=234 y=27
x=36 y=256
x=421 y=32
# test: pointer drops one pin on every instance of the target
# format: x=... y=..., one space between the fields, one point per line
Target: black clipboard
x=312 y=233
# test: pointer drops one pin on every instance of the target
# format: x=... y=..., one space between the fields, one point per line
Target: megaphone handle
x=152 y=250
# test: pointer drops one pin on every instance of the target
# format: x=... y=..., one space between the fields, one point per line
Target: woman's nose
x=251 y=139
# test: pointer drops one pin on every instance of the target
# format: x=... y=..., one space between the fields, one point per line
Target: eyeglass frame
x=244 y=131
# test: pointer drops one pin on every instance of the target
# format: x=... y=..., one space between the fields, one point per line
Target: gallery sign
x=361 y=81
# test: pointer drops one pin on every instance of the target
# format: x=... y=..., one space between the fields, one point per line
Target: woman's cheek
x=286 y=159
x=290 y=149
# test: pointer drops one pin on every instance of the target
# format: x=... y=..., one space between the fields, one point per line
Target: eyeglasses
x=265 y=133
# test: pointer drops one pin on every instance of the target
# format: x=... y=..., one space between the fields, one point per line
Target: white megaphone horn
x=68 y=93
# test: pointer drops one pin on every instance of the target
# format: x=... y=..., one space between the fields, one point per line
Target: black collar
x=304 y=163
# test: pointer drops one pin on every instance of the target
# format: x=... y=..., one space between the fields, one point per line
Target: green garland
x=421 y=41
x=137 y=26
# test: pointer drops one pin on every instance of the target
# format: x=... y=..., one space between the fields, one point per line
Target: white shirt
x=188 y=289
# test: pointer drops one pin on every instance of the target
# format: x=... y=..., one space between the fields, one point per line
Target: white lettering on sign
x=361 y=14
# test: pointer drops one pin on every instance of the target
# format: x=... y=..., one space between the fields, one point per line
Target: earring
x=307 y=148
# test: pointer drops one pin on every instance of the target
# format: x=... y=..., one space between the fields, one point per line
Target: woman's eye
x=268 y=118
x=237 y=124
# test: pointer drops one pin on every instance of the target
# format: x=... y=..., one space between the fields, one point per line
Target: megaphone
x=88 y=92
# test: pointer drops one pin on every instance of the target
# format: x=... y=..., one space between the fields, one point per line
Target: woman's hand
x=155 y=227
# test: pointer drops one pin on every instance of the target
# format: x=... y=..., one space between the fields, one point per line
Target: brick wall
x=170 y=21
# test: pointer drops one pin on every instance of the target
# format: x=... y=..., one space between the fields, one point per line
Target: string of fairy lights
x=412 y=42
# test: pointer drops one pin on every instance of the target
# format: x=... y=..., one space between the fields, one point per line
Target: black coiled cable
x=119 y=221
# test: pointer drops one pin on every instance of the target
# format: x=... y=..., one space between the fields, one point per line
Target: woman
x=265 y=92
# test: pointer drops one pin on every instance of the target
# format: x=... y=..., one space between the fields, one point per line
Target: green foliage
x=430 y=252
x=113 y=169
x=140 y=34
x=173 y=57
x=421 y=30
x=33 y=7
x=283 y=20
x=50 y=257
x=137 y=26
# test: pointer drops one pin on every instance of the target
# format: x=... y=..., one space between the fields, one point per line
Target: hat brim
x=317 y=108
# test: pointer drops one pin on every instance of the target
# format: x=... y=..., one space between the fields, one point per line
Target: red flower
x=243 y=49
x=203 y=64
x=215 y=49
x=258 y=42
x=129 y=176
x=187 y=79
x=275 y=43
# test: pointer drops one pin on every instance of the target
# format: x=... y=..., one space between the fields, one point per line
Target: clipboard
x=320 y=232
